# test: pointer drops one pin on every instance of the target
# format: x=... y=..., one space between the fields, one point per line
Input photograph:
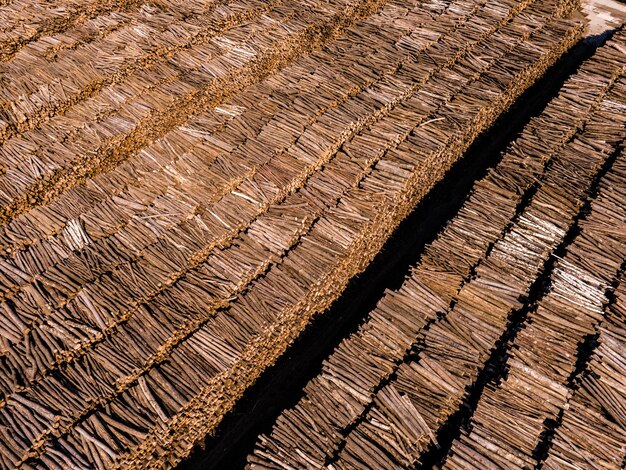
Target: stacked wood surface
x=514 y=417
x=183 y=185
x=592 y=424
x=496 y=287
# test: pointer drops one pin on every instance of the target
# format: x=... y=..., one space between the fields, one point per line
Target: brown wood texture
x=185 y=185
x=385 y=393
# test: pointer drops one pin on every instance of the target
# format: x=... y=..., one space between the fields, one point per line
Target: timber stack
x=186 y=185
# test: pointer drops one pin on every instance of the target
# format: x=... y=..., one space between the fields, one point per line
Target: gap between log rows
x=281 y=386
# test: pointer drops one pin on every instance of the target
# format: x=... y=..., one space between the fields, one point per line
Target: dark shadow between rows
x=280 y=387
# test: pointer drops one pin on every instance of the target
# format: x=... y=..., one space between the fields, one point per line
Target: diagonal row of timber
x=175 y=213
x=510 y=329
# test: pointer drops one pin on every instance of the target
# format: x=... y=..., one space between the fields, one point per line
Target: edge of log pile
x=203 y=414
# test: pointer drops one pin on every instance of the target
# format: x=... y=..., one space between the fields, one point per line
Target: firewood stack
x=185 y=185
x=505 y=346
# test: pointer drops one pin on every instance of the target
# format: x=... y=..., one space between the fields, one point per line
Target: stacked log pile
x=183 y=185
x=592 y=426
x=515 y=415
x=495 y=287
